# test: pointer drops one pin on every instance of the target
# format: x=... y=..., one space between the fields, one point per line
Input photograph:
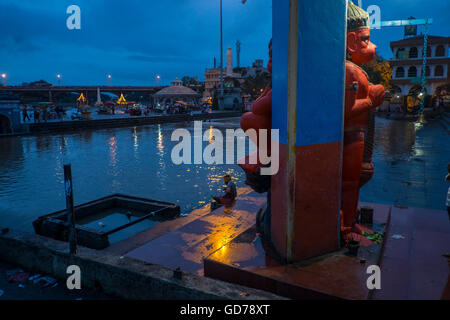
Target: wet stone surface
x=410 y=165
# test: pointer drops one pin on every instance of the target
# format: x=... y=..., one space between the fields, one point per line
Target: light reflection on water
x=410 y=164
x=135 y=161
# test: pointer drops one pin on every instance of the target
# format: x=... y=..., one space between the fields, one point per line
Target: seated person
x=230 y=192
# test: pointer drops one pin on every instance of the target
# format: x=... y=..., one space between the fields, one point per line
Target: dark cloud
x=136 y=39
x=125 y=38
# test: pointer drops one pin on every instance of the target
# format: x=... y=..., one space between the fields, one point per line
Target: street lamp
x=4 y=78
x=59 y=79
x=158 y=77
x=109 y=79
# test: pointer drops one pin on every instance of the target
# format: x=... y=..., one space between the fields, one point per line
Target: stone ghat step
x=412 y=265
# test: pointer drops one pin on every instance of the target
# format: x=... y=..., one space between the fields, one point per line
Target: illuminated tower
x=229 y=71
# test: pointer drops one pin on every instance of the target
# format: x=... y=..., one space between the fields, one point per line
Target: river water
x=410 y=166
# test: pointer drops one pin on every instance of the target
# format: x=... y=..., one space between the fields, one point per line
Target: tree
x=193 y=83
x=253 y=86
x=379 y=71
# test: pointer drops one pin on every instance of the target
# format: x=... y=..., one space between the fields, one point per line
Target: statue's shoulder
x=353 y=71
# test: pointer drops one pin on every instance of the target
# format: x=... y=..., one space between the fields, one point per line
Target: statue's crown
x=357 y=18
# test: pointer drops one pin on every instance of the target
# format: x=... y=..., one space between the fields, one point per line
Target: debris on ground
x=13 y=272
x=398 y=237
x=375 y=237
x=19 y=277
x=34 y=277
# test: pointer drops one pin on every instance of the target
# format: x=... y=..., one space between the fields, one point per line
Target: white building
x=408 y=58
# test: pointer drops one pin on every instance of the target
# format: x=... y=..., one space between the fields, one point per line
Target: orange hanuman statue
x=361 y=98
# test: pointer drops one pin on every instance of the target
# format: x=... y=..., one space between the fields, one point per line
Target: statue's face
x=359 y=45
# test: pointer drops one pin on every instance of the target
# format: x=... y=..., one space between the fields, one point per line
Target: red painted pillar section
x=307 y=107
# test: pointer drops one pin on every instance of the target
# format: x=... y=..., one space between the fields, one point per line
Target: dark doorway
x=5 y=125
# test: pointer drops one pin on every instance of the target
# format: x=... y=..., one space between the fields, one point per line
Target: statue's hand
x=376 y=94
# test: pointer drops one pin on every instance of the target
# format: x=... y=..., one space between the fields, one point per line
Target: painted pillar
x=308 y=108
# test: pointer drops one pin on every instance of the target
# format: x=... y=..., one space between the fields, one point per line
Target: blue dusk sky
x=135 y=40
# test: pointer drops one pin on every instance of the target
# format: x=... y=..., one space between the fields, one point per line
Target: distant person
x=25 y=114
x=230 y=192
x=447 y=178
x=43 y=113
x=436 y=103
x=36 y=115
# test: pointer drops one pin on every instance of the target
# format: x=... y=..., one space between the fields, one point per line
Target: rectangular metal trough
x=137 y=210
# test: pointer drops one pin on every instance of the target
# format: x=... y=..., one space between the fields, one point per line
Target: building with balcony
x=212 y=81
x=407 y=63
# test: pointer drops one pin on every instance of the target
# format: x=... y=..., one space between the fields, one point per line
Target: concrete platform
x=411 y=268
x=249 y=261
x=188 y=245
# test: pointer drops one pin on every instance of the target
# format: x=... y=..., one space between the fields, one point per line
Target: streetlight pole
x=59 y=79
x=221 y=57
x=109 y=79
x=4 y=78
x=157 y=80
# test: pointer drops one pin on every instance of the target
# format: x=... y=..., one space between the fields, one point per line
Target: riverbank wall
x=68 y=126
x=117 y=275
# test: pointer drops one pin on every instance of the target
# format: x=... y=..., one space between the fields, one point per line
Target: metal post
x=424 y=66
x=291 y=126
x=221 y=57
x=70 y=210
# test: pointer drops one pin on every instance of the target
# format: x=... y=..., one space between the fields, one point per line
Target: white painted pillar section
x=99 y=97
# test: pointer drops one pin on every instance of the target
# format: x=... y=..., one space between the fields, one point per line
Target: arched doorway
x=414 y=98
x=400 y=72
x=413 y=53
x=5 y=125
